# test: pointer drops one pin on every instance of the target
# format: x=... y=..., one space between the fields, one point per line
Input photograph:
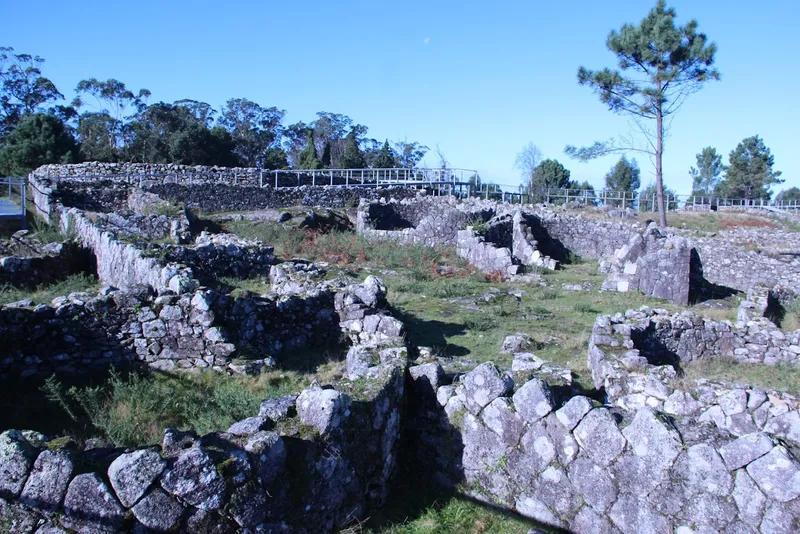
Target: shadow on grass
x=432 y=334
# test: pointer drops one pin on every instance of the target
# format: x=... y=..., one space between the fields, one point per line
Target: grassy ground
x=714 y=221
x=45 y=293
x=133 y=409
x=779 y=377
x=349 y=250
x=440 y=314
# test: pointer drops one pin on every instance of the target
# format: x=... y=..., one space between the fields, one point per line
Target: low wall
x=121 y=264
x=658 y=265
x=569 y=463
x=583 y=236
x=310 y=463
x=56 y=262
x=728 y=262
x=201 y=329
x=636 y=358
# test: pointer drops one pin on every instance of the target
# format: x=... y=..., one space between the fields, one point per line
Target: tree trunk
x=662 y=214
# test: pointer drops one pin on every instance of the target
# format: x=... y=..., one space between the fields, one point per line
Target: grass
x=790 y=321
x=777 y=377
x=44 y=294
x=714 y=221
x=349 y=250
x=560 y=321
x=455 y=515
x=133 y=409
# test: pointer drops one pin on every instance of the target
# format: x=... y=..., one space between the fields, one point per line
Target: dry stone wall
x=658 y=265
x=572 y=464
x=43 y=264
x=635 y=358
x=747 y=258
x=307 y=463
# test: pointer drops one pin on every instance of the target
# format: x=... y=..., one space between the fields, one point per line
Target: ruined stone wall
x=121 y=264
x=484 y=255
x=658 y=265
x=583 y=236
x=53 y=262
x=99 y=193
x=566 y=462
x=431 y=221
x=312 y=462
x=307 y=463
x=635 y=358
x=743 y=260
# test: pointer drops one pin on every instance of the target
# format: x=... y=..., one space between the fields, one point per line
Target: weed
x=480 y=323
x=44 y=294
x=133 y=410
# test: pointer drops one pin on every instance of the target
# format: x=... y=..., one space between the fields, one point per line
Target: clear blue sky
x=480 y=79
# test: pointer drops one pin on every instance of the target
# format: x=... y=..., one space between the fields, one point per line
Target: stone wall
x=122 y=264
x=565 y=461
x=431 y=221
x=307 y=463
x=100 y=193
x=658 y=265
x=636 y=358
x=201 y=329
x=44 y=265
x=747 y=258
x=583 y=236
x=484 y=255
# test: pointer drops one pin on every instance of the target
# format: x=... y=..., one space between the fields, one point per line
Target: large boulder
x=323 y=409
x=48 y=481
x=484 y=384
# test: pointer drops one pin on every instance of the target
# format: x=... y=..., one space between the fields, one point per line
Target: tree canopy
x=750 y=173
x=549 y=173
x=667 y=64
x=112 y=122
x=624 y=176
x=38 y=140
x=308 y=159
x=706 y=176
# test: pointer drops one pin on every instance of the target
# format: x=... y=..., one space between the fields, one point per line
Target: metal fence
x=12 y=199
x=626 y=199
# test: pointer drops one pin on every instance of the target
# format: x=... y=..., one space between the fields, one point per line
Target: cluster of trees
x=539 y=174
x=749 y=173
x=106 y=121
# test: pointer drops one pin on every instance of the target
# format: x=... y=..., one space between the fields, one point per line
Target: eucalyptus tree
x=23 y=89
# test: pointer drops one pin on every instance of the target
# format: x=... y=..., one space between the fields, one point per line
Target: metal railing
x=626 y=199
x=12 y=199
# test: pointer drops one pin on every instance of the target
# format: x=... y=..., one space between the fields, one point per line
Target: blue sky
x=480 y=79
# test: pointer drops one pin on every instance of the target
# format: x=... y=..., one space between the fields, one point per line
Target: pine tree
x=749 y=173
x=707 y=174
x=669 y=63
x=37 y=140
x=307 y=159
x=550 y=174
x=352 y=158
x=624 y=176
x=385 y=157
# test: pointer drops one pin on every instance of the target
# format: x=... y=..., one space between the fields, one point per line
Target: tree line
x=109 y=122
x=749 y=174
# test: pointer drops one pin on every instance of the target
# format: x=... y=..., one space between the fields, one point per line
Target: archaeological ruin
x=642 y=446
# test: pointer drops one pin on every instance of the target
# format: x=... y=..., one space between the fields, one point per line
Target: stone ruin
x=645 y=451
